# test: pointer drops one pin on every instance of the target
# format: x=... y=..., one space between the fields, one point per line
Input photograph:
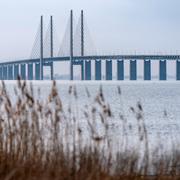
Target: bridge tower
x=85 y=66
x=82 y=44
x=41 y=49
x=52 y=46
x=71 y=45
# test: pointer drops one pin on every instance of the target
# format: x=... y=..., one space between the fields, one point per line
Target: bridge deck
x=103 y=57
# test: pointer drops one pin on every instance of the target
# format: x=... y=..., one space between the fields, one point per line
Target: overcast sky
x=144 y=26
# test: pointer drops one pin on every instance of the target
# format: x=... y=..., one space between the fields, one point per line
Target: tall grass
x=39 y=140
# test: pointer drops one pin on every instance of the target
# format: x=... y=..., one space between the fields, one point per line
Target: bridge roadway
x=95 y=57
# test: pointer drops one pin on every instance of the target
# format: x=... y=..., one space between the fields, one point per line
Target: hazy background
x=117 y=26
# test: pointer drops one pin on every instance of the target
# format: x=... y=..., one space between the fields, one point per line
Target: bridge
x=33 y=67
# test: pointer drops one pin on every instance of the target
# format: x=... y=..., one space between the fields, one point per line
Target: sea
x=157 y=102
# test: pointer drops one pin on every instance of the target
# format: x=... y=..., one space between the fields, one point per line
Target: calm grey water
x=160 y=102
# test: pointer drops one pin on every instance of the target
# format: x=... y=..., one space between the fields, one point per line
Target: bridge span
x=32 y=68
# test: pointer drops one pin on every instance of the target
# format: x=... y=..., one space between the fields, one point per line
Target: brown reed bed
x=39 y=140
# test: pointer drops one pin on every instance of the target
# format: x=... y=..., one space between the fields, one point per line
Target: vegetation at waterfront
x=39 y=140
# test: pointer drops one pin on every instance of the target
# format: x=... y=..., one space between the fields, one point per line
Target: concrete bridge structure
x=29 y=69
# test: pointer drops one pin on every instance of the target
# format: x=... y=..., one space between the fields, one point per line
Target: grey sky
x=124 y=26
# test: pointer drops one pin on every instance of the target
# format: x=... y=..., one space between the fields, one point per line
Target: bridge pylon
x=71 y=45
x=41 y=49
x=72 y=60
x=52 y=46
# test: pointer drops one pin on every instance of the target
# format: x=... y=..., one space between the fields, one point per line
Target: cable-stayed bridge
x=77 y=48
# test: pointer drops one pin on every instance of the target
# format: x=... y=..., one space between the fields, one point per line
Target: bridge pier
x=97 y=69
x=6 y=72
x=23 y=71
x=37 y=71
x=108 y=69
x=10 y=72
x=82 y=70
x=120 y=70
x=30 y=71
x=5 y=75
x=87 y=70
x=147 y=69
x=1 y=72
x=178 y=69
x=52 y=71
x=16 y=71
x=162 y=70
x=71 y=70
x=133 y=70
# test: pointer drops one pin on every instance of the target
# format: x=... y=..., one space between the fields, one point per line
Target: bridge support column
x=120 y=70
x=133 y=70
x=108 y=69
x=87 y=70
x=71 y=70
x=10 y=72
x=82 y=70
x=1 y=73
x=177 y=69
x=30 y=71
x=23 y=71
x=6 y=72
x=162 y=70
x=52 y=71
x=5 y=75
x=97 y=69
x=37 y=71
x=147 y=69
x=16 y=71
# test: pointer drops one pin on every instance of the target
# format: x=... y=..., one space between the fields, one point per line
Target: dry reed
x=38 y=140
